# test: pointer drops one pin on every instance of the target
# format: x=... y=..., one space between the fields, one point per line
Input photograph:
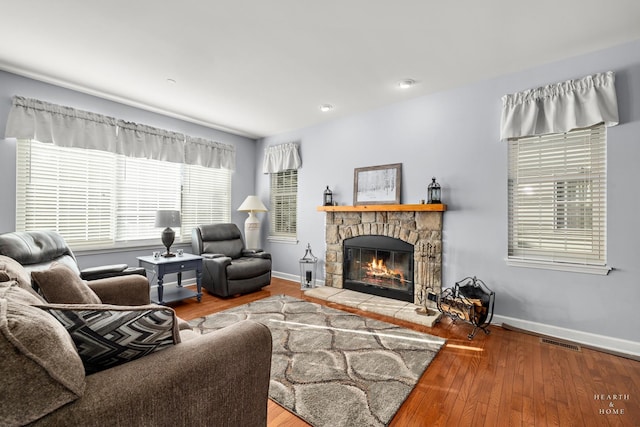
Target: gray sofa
x=229 y=268
x=220 y=379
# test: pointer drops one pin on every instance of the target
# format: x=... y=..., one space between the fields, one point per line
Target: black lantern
x=308 y=269
x=433 y=192
x=328 y=197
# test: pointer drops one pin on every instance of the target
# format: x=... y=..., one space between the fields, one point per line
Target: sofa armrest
x=213 y=256
x=103 y=269
x=122 y=290
x=214 y=274
x=256 y=254
x=248 y=252
x=218 y=379
x=114 y=270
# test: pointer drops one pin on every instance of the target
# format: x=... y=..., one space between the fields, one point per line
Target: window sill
x=139 y=246
x=281 y=239
x=560 y=266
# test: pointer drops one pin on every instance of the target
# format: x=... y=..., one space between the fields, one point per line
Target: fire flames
x=378 y=270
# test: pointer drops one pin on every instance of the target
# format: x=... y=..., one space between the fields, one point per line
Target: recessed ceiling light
x=325 y=108
x=406 y=83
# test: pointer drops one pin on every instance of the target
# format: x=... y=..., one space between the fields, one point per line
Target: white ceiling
x=258 y=67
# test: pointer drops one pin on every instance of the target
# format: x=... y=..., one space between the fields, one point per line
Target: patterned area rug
x=334 y=368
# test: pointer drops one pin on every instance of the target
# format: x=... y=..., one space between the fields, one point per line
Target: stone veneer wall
x=416 y=228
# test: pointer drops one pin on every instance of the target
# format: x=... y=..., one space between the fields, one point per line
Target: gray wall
x=454 y=136
x=243 y=179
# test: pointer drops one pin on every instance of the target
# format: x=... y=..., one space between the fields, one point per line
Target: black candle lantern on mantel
x=328 y=197
x=433 y=192
x=308 y=269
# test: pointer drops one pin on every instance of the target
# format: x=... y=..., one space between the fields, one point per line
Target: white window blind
x=557 y=198
x=69 y=190
x=98 y=200
x=284 y=204
x=205 y=197
x=143 y=187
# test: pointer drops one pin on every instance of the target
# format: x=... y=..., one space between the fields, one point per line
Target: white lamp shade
x=167 y=218
x=252 y=204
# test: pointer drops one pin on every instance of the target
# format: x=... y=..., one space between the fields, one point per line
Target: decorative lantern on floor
x=308 y=265
x=433 y=192
x=328 y=197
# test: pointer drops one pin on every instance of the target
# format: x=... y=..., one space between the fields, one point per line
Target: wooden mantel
x=423 y=207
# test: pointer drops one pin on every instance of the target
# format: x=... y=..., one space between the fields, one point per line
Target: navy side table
x=161 y=266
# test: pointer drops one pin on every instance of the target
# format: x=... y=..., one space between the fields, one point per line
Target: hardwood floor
x=506 y=378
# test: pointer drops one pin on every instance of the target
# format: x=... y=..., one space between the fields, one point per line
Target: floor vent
x=568 y=346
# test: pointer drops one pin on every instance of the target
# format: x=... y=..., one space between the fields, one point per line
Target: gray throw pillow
x=10 y=269
x=12 y=291
x=61 y=285
x=40 y=369
x=109 y=335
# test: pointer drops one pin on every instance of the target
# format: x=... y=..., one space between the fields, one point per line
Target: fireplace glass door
x=379 y=265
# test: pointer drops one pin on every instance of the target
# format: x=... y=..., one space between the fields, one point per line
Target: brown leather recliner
x=228 y=267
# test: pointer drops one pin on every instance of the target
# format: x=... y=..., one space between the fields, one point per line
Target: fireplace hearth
x=379 y=265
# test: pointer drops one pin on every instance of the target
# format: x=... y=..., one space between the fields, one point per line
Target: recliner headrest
x=34 y=247
x=218 y=239
x=220 y=232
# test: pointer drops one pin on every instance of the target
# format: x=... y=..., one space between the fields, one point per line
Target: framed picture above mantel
x=377 y=185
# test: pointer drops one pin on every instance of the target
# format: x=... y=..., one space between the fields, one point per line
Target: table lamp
x=168 y=219
x=252 y=224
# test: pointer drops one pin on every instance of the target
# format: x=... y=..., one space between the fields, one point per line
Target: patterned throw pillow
x=109 y=335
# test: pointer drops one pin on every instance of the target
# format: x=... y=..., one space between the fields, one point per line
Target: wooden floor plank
x=537 y=391
x=502 y=379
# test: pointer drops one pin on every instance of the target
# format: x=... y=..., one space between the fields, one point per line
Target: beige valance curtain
x=142 y=141
x=278 y=158
x=59 y=125
x=68 y=127
x=560 y=107
x=210 y=154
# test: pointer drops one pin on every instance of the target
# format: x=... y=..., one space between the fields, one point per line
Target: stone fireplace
x=417 y=228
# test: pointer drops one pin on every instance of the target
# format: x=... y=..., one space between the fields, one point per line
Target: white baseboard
x=292 y=277
x=599 y=341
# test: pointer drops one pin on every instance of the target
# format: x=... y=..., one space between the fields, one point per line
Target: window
x=69 y=193
x=206 y=197
x=284 y=205
x=557 y=200
x=97 y=199
x=142 y=187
